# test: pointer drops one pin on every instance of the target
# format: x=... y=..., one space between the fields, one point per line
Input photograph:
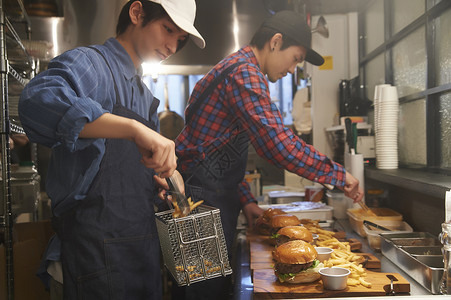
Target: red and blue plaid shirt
x=244 y=97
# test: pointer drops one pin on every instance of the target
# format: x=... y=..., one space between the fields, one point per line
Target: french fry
x=192 y=205
x=177 y=213
x=309 y=223
x=337 y=261
x=358 y=268
x=208 y=263
x=181 y=268
x=364 y=283
x=214 y=269
x=194 y=275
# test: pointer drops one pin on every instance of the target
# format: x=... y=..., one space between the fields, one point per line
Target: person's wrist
x=134 y=128
x=252 y=200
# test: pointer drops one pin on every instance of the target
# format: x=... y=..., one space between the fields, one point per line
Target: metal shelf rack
x=7 y=69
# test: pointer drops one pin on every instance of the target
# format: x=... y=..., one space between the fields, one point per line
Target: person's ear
x=276 y=41
x=135 y=12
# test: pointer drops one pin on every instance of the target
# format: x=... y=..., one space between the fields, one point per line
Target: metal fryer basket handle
x=197 y=240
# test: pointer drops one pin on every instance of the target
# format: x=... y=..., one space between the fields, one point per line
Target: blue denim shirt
x=75 y=89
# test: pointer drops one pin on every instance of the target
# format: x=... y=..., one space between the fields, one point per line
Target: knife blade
x=180 y=199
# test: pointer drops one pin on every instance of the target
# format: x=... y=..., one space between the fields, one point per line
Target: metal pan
x=417 y=251
x=171 y=123
x=412 y=239
x=427 y=270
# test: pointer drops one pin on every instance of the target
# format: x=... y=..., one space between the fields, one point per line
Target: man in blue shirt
x=92 y=108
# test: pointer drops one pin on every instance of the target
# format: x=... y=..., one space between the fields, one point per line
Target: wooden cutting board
x=266 y=286
x=261 y=256
x=372 y=262
x=339 y=234
x=355 y=244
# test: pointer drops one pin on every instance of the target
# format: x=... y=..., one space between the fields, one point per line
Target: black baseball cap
x=291 y=24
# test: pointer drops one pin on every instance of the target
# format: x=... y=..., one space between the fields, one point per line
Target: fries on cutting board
x=342 y=255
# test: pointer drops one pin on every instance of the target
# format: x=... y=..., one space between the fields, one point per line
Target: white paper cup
x=324 y=253
x=377 y=91
x=389 y=94
x=315 y=239
x=334 y=278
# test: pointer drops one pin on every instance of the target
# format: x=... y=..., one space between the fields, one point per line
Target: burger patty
x=288 y=268
x=282 y=239
x=265 y=227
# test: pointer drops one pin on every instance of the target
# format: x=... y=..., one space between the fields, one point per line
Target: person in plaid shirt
x=230 y=107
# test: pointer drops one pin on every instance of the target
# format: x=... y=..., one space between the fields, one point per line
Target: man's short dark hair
x=152 y=12
x=264 y=34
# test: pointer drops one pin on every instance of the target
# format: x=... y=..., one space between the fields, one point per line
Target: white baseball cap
x=183 y=13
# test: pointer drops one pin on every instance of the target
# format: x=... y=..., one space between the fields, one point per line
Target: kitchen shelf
x=428 y=183
x=342 y=127
x=16 y=128
x=15 y=38
x=15 y=62
x=16 y=76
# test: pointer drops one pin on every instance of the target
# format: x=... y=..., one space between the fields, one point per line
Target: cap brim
x=186 y=26
x=314 y=57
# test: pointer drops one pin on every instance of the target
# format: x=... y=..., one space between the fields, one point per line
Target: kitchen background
x=369 y=42
x=405 y=43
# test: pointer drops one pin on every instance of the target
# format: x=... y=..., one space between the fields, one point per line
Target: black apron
x=110 y=247
x=215 y=180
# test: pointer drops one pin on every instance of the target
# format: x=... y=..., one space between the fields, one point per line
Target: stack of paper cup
x=386 y=110
x=377 y=93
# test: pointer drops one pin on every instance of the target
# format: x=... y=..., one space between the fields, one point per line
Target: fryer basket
x=193 y=247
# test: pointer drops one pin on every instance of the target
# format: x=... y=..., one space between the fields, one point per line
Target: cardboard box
x=30 y=242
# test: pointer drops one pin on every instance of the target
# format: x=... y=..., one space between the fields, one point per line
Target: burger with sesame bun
x=291 y=233
x=279 y=221
x=262 y=224
x=295 y=262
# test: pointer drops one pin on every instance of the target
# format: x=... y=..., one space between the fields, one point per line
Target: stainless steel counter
x=243 y=287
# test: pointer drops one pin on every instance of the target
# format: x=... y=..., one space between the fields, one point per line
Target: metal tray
x=417 y=251
x=427 y=270
x=416 y=242
x=432 y=261
x=414 y=239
